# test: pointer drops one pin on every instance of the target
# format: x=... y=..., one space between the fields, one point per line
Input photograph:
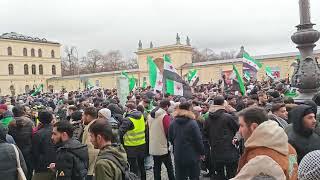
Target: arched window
x=25 y=52
x=9 y=51
x=41 y=69
x=33 y=54
x=39 y=53
x=54 y=70
x=33 y=69
x=26 y=69
x=52 y=53
x=10 y=68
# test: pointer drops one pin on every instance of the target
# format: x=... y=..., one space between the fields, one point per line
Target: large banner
x=122 y=89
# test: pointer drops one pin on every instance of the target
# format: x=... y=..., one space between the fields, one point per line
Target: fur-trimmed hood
x=183 y=113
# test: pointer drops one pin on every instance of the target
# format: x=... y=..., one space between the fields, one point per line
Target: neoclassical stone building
x=181 y=55
x=27 y=62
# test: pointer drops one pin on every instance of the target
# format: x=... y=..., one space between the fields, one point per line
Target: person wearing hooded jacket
x=132 y=134
x=8 y=165
x=220 y=128
x=185 y=135
x=265 y=137
x=301 y=134
x=72 y=158
x=21 y=131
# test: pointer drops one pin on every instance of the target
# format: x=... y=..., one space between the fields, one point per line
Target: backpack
x=126 y=174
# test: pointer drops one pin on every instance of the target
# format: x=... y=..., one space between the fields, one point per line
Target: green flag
x=155 y=76
x=251 y=61
x=132 y=80
x=269 y=72
x=193 y=77
x=239 y=80
x=247 y=75
x=38 y=90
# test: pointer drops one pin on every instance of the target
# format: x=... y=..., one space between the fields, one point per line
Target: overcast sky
x=262 y=26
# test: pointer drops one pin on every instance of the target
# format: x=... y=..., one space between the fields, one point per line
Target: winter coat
x=8 y=161
x=302 y=139
x=282 y=123
x=43 y=150
x=21 y=131
x=158 y=143
x=93 y=153
x=72 y=160
x=132 y=151
x=106 y=169
x=269 y=139
x=220 y=129
x=261 y=164
x=185 y=136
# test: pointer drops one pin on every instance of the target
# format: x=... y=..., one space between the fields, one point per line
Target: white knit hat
x=309 y=167
x=105 y=113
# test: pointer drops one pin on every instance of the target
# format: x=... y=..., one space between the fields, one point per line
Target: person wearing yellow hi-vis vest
x=132 y=133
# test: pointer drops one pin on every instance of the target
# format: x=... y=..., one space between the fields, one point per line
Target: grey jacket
x=9 y=168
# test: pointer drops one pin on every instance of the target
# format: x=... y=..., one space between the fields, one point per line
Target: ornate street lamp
x=307 y=75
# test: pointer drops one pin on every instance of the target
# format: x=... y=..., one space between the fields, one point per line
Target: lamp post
x=307 y=75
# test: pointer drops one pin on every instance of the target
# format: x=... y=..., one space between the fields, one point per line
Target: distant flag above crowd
x=38 y=90
x=155 y=76
x=163 y=76
x=175 y=85
x=193 y=77
x=237 y=79
x=251 y=61
x=132 y=80
x=269 y=72
x=247 y=75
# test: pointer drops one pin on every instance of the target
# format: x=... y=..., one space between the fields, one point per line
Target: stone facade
x=27 y=62
x=181 y=56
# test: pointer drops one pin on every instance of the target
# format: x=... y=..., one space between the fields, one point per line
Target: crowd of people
x=218 y=133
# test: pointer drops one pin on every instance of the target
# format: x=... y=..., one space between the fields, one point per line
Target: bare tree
x=93 y=61
x=228 y=54
x=112 y=61
x=69 y=62
x=197 y=56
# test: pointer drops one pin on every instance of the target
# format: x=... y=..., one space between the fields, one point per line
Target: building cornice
x=164 y=49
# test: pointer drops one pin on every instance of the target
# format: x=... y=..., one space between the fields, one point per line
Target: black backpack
x=126 y=174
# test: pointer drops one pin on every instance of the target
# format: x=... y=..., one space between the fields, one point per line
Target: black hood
x=296 y=117
x=114 y=108
x=135 y=114
x=216 y=114
x=76 y=148
x=181 y=120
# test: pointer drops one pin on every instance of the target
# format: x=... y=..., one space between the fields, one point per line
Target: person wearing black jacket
x=43 y=150
x=72 y=156
x=301 y=134
x=220 y=128
x=185 y=135
x=21 y=131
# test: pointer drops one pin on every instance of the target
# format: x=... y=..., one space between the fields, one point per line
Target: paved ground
x=164 y=175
